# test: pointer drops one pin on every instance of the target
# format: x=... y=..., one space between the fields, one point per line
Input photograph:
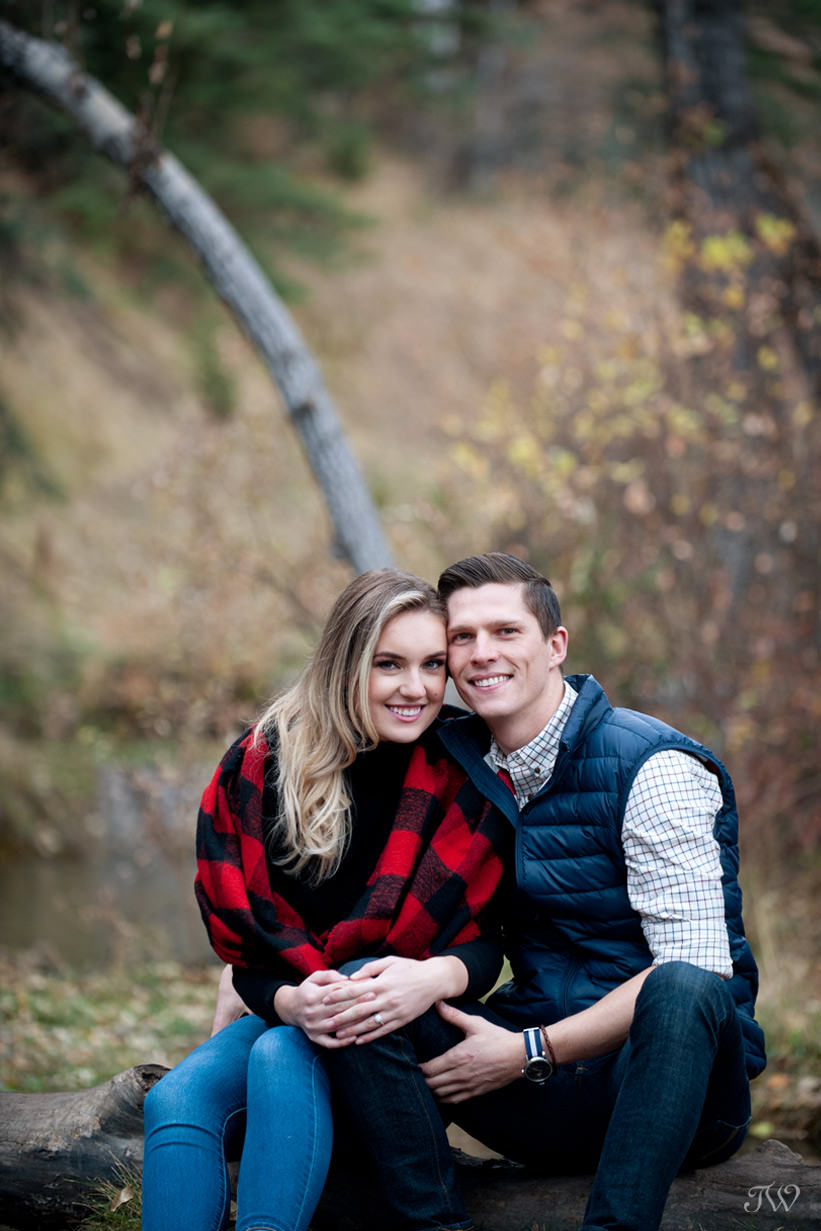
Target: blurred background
x=559 y=263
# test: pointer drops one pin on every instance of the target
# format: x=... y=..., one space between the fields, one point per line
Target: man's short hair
x=498 y=567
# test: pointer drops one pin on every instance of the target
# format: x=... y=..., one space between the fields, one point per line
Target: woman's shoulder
x=248 y=756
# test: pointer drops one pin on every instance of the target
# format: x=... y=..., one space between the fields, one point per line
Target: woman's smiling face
x=407 y=681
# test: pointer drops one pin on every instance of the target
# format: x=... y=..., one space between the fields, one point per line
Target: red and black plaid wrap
x=429 y=889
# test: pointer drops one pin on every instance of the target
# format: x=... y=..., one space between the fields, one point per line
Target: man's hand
x=229 y=1005
x=489 y=1058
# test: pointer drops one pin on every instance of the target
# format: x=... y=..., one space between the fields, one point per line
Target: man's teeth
x=490 y=681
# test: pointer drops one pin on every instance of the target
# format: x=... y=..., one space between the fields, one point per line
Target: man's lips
x=490 y=681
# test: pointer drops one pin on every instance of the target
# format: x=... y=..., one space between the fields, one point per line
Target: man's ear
x=557 y=643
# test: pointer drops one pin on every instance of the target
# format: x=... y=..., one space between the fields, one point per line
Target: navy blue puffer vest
x=572 y=935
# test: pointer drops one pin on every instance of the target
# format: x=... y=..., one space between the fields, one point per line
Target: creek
x=127 y=894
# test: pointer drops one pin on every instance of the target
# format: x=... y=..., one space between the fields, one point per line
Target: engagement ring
x=379 y=1019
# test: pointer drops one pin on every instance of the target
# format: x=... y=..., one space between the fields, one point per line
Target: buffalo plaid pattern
x=428 y=891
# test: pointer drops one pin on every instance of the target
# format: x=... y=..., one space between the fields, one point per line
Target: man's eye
x=457 y=637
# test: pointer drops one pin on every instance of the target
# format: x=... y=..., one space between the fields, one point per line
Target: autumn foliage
x=672 y=493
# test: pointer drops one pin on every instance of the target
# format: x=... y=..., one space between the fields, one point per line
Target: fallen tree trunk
x=54 y=1147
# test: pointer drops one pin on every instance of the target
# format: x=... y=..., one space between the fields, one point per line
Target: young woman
x=345 y=871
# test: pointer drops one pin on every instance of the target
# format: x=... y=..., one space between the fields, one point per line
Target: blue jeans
x=266 y=1084
x=675 y=1095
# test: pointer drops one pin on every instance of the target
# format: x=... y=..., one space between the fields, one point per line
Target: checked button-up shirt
x=673 y=859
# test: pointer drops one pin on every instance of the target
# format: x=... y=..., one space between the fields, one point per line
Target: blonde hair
x=323 y=721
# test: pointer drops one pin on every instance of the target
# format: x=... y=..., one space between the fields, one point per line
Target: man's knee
x=680 y=991
x=356 y=963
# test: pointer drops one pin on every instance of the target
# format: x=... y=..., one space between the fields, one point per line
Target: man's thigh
x=556 y=1127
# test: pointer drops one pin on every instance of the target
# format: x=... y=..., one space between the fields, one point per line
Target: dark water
x=129 y=895
x=98 y=910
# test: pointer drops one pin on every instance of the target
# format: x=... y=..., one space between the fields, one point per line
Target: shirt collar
x=531 y=767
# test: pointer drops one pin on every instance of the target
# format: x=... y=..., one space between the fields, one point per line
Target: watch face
x=538 y=1069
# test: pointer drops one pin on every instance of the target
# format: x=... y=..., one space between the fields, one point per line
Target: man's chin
x=491 y=704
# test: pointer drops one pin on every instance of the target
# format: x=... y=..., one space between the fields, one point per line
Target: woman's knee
x=281 y=1045
x=170 y=1101
x=210 y=1082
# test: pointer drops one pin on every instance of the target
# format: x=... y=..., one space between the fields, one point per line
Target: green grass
x=60 y=1030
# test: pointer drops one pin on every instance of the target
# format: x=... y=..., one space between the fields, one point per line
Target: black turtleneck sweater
x=375 y=784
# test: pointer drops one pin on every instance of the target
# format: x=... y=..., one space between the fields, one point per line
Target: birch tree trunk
x=48 y=70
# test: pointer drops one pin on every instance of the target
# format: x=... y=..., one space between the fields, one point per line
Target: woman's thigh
x=209 y=1086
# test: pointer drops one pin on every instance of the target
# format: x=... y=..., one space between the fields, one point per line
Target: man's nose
x=484 y=648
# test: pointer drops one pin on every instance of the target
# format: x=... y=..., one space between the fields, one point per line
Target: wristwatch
x=537 y=1066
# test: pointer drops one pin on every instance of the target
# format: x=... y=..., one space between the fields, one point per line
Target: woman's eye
x=435 y=664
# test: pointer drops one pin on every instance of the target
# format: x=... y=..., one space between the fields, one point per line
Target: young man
x=626 y=1039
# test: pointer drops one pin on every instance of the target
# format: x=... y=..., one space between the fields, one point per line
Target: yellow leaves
x=775 y=233
x=722 y=409
x=562 y=462
x=728 y=253
x=677 y=246
x=734 y=297
x=571 y=329
x=767 y=359
x=803 y=414
x=469 y=459
x=684 y=422
x=626 y=472
x=524 y=454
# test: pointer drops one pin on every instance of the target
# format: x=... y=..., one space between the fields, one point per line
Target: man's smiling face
x=501 y=663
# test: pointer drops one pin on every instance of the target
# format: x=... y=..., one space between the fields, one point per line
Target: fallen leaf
x=122 y=1198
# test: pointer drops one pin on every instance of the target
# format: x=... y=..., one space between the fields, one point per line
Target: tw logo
x=782 y=1198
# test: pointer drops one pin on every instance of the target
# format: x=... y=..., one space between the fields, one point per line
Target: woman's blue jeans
x=266 y=1083
x=676 y=1094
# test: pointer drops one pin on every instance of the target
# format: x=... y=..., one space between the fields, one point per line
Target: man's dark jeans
x=675 y=1095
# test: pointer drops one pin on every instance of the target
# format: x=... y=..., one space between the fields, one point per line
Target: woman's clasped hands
x=387 y=993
